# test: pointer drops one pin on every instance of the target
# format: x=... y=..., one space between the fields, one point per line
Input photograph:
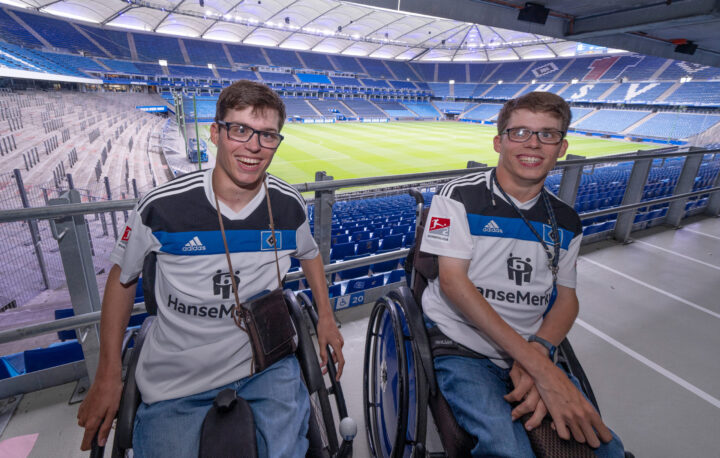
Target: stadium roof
x=421 y=30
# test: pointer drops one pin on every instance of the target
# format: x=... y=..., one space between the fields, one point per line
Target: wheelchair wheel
x=393 y=385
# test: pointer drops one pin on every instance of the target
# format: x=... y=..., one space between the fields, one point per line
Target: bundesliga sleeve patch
x=125 y=237
x=439 y=228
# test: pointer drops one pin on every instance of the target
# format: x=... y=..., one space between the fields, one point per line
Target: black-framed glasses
x=523 y=134
x=242 y=133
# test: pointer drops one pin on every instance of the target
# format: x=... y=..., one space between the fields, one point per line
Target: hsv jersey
x=508 y=265
x=195 y=345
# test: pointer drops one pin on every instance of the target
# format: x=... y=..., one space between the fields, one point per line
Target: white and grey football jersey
x=195 y=344
x=508 y=265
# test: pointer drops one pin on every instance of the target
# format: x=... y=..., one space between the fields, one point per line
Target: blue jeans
x=277 y=396
x=474 y=389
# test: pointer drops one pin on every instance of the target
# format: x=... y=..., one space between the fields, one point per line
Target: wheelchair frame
x=322 y=433
x=400 y=314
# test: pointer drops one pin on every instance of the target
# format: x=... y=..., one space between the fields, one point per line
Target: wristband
x=552 y=349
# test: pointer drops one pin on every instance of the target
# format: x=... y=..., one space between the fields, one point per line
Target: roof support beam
x=644 y=17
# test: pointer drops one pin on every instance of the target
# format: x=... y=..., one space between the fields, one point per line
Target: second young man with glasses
x=506 y=289
x=195 y=349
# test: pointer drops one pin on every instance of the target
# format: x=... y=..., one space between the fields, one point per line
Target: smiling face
x=241 y=166
x=523 y=166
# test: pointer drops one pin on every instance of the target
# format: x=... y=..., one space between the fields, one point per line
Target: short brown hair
x=243 y=93
x=537 y=102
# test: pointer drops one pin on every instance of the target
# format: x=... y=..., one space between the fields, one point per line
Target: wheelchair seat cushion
x=546 y=443
x=456 y=441
x=229 y=428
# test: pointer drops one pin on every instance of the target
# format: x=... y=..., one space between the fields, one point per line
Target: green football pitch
x=355 y=150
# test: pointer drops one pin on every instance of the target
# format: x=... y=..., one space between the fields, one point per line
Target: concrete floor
x=647 y=336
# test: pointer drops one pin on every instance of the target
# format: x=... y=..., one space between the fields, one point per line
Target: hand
x=329 y=334
x=526 y=394
x=572 y=414
x=98 y=410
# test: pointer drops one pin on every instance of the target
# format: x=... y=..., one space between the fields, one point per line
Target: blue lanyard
x=553 y=256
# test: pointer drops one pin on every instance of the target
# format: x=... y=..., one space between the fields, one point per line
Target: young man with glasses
x=195 y=349
x=506 y=289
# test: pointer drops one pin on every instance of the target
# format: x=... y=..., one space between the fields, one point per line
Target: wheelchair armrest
x=416 y=323
x=131 y=398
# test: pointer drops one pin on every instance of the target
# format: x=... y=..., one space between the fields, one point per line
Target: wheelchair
x=399 y=385
x=322 y=432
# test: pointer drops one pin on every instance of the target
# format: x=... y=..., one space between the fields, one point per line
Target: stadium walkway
x=647 y=336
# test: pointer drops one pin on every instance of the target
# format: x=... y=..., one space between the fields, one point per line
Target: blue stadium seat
x=369 y=246
x=4 y=370
x=341 y=251
x=396 y=276
x=67 y=334
x=355 y=272
x=385 y=266
x=334 y=290
x=339 y=238
x=54 y=355
x=409 y=239
x=391 y=242
x=294 y=264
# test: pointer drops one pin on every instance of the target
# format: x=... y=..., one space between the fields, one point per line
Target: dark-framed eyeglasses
x=523 y=134
x=242 y=133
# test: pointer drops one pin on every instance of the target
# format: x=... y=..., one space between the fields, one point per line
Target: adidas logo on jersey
x=194 y=245
x=492 y=227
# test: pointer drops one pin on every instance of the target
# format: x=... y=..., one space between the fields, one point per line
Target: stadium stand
x=242 y=54
x=274 y=77
x=423 y=109
x=610 y=120
x=401 y=70
x=585 y=92
x=59 y=33
x=331 y=108
x=364 y=108
x=426 y=71
x=579 y=113
x=679 y=69
x=695 y=93
x=645 y=93
x=316 y=61
x=121 y=66
x=395 y=109
x=237 y=74
x=283 y=58
x=676 y=125
x=203 y=52
x=156 y=47
x=482 y=112
x=11 y=31
x=345 y=81
x=369 y=82
x=346 y=64
x=453 y=107
x=510 y=71
x=113 y=41
x=300 y=108
x=313 y=78
x=375 y=68
x=192 y=72
x=481 y=72
x=503 y=91
x=456 y=72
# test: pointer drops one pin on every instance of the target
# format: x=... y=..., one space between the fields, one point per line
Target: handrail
x=57 y=211
x=94 y=317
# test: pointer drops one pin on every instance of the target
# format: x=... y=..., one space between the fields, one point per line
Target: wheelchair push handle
x=348 y=430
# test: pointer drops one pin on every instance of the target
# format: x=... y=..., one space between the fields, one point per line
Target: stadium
x=102 y=101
